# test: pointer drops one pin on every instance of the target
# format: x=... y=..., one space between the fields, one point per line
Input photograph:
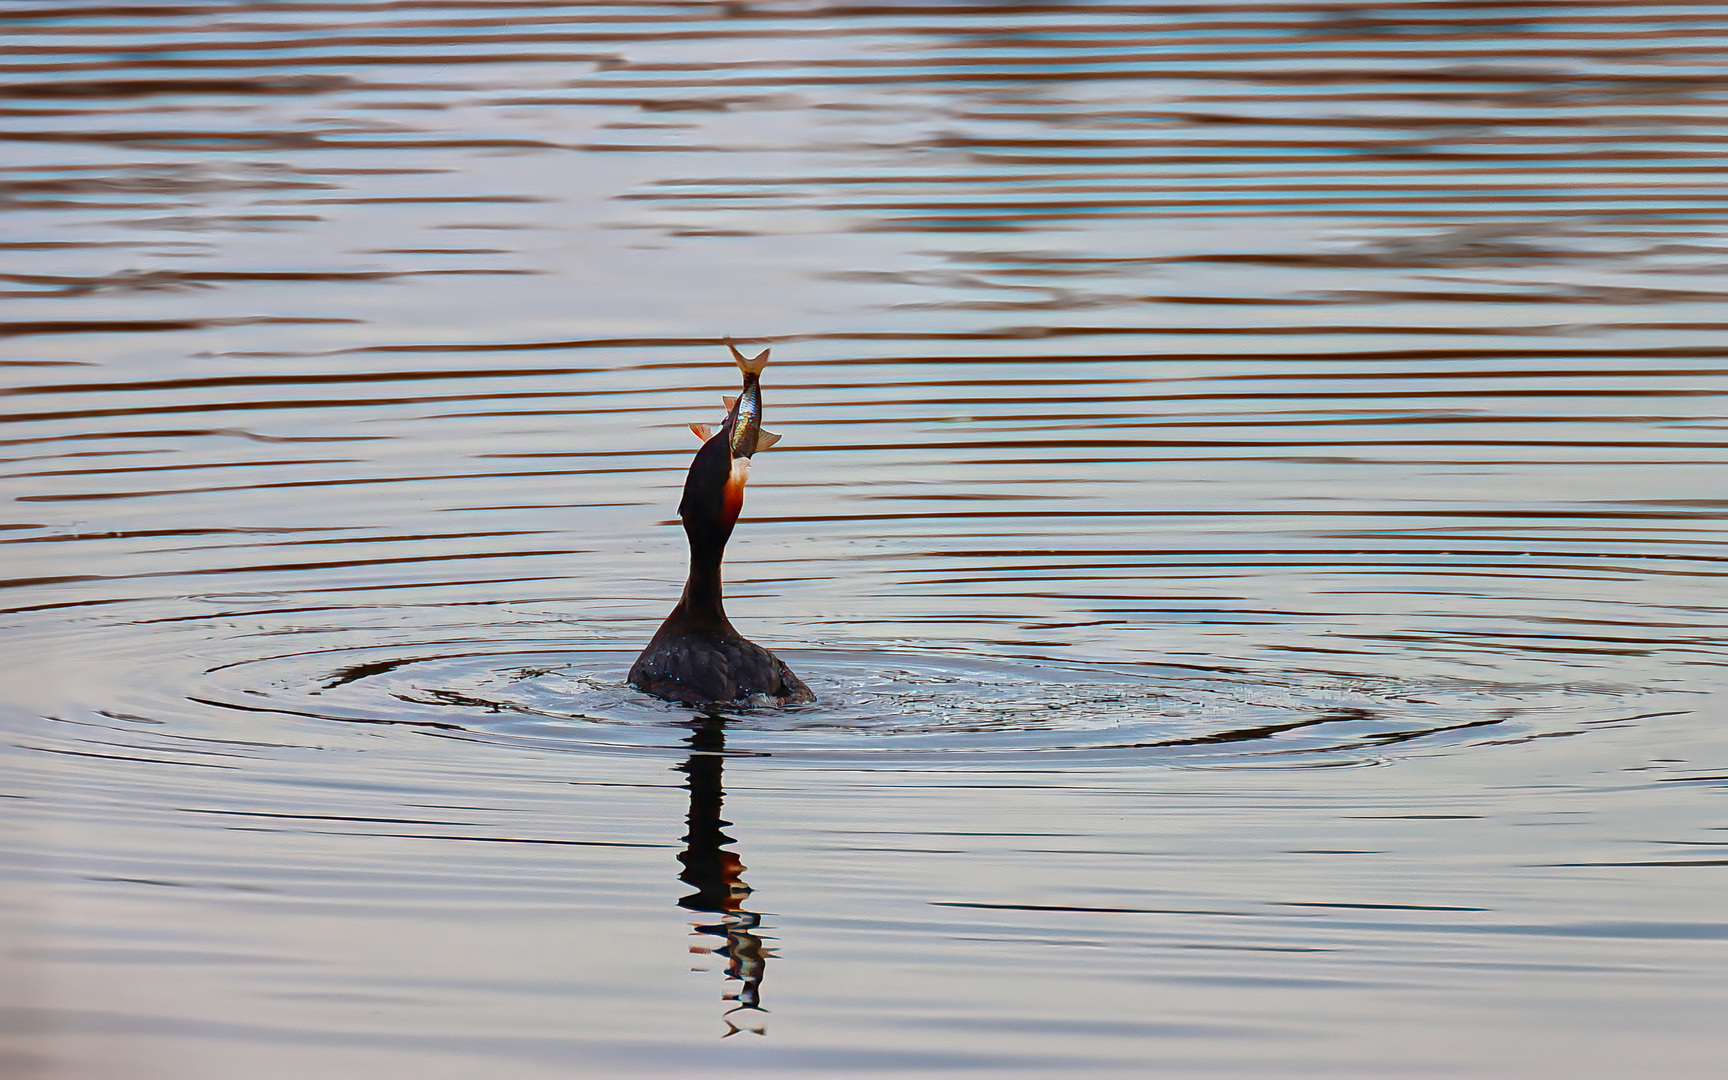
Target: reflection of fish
x=743 y=427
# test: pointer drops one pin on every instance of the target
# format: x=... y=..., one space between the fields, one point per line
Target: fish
x=743 y=426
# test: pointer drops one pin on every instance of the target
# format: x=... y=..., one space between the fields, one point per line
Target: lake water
x=1251 y=506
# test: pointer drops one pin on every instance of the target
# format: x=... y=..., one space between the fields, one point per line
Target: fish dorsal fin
x=703 y=431
x=730 y=400
x=749 y=365
x=765 y=439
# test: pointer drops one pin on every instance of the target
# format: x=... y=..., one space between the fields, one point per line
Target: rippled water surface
x=1250 y=506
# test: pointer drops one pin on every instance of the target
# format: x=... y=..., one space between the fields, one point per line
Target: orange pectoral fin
x=703 y=431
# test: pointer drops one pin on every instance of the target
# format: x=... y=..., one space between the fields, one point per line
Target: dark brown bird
x=696 y=657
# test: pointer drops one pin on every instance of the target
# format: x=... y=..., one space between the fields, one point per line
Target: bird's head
x=713 y=493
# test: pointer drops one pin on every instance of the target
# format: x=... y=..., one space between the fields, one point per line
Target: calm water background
x=1251 y=503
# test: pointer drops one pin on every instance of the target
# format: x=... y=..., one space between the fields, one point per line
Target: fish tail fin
x=749 y=365
x=765 y=439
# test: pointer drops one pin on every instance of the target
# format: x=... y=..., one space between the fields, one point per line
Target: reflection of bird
x=717 y=876
x=696 y=657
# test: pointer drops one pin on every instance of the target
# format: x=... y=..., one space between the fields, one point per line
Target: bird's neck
x=701 y=604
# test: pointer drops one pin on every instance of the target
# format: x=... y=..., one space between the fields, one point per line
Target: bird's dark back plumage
x=701 y=667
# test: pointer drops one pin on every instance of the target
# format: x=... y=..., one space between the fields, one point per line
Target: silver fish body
x=744 y=425
x=743 y=430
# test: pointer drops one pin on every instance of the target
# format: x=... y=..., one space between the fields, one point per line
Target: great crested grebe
x=696 y=657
